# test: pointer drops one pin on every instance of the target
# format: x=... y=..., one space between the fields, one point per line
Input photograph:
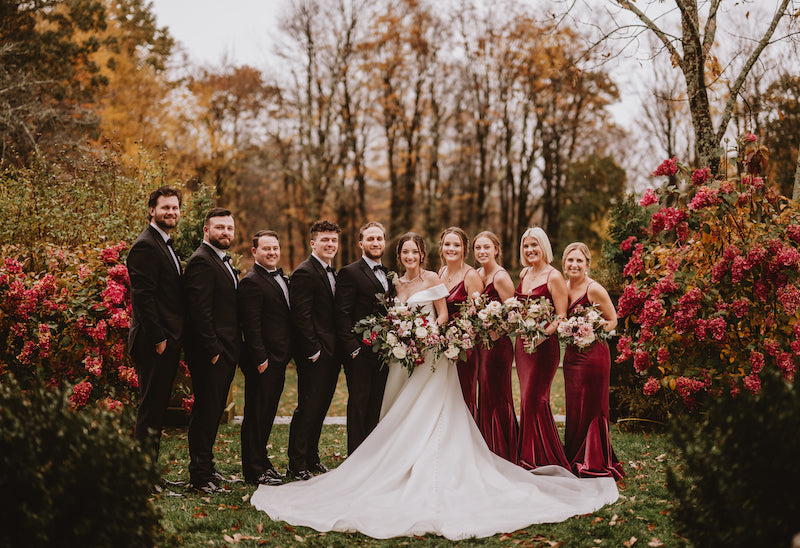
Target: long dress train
x=426 y=469
x=587 y=438
x=539 y=442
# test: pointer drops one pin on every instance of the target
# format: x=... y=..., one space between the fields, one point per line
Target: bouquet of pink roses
x=583 y=327
x=458 y=338
x=403 y=335
x=489 y=318
x=530 y=317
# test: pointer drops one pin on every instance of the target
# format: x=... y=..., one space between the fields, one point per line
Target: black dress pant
x=366 y=381
x=156 y=375
x=262 y=393
x=316 y=384
x=210 y=384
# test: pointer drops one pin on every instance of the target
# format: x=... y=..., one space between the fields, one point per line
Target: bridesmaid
x=496 y=417
x=539 y=442
x=586 y=377
x=461 y=281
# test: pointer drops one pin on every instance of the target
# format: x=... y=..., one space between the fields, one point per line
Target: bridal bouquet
x=488 y=317
x=530 y=317
x=583 y=327
x=403 y=335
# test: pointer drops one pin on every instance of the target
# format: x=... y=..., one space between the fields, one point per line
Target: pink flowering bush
x=713 y=287
x=69 y=324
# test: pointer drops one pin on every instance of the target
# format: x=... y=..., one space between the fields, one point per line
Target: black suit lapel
x=162 y=245
x=322 y=272
x=370 y=274
x=272 y=282
x=212 y=254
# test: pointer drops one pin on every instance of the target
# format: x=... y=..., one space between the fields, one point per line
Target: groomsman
x=154 y=340
x=313 y=287
x=358 y=287
x=263 y=297
x=213 y=341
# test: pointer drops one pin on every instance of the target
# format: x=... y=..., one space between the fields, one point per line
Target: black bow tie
x=330 y=269
x=381 y=268
x=169 y=242
x=226 y=259
x=276 y=272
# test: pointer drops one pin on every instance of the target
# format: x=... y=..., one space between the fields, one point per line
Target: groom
x=358 y=287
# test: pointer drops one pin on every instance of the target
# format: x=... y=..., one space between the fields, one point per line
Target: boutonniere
x=392 y=277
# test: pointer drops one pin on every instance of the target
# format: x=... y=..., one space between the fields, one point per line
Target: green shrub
x=71 y=478
x=738 y=480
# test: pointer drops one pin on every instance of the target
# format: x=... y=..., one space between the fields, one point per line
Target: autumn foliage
x=713 y=300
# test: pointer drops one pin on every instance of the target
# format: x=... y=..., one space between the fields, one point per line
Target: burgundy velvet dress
x=539 y=442
x=587 y=439
x=497 y=420
x=467 y=369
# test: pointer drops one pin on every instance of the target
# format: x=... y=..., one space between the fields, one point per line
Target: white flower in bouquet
x=452 y=352
x=400 y=351
x=391 y=339
x=421 y=332
x=583 y=327
x=420 y=322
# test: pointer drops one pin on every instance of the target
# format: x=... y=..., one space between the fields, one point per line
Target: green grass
x=642 y=510
x=339 y=404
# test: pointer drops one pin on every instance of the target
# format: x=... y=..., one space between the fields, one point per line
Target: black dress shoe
x=298 y=474
x=318 y=468
x=209 y=488
x=220 y=479
x=270 y=477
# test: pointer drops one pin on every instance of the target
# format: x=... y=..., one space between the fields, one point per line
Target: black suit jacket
x=264 y=318
x=356 y=298
x=212 y=325
x=156 y=293
x=313 y=311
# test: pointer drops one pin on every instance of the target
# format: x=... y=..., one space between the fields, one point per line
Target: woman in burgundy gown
x=539 y=442
x=461 y=280
x=586 y=377
x=497 y=419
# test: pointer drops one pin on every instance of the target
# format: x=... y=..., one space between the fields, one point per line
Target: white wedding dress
x=426 y=469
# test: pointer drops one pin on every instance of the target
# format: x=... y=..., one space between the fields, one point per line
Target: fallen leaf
x=631 y=542
x=651 y=527
x=655 y=542
x=598 y=541
x=260 y=528
x=298 y=538
x=506 y=536
x=661 y=457
x=228 y=538
x=200 y=515
x=613 y=520
x=598 y=519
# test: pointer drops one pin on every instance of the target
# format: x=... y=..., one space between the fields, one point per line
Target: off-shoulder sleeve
x=438 y=292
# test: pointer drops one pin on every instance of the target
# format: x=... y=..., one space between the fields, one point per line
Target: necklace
x=405 y=280
x=450 y=277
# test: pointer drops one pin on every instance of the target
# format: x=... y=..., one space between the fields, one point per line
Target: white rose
x=399 y=351
x=421 y=332
x=451 y=353
x=482 y=314
x=391 y=339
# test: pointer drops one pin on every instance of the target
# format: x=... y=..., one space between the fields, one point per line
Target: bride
x=426 y=468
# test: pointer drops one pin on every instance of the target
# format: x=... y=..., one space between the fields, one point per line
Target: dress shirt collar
x=158 y=228
x=323 y=263
x=372 y=264
x=220 y=253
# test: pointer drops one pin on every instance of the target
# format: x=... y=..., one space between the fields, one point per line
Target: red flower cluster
x=667 y=168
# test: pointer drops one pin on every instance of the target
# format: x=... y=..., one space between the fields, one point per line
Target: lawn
x=641 y=516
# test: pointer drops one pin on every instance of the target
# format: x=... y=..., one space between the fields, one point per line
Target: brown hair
x=217 y=212
x=323 y=226
x=165 y=191
x=371 y=224
x=492 y=238
x=461 y=236
x=261 y=233
x=417 y=239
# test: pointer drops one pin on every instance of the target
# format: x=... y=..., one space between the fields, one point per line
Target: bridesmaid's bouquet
x=583 y=327
x=458 y=338
x=489 y=317
x=530 y=317
x=402 y=335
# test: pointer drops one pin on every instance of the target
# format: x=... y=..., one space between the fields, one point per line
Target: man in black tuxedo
x=313 y=287
x=154 y=340
x=213 y=341
x=265 y=320
x=359 y=285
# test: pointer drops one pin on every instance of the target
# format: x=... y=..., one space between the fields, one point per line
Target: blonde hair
x=495 y=242
x=580 y=246
x=540 y=236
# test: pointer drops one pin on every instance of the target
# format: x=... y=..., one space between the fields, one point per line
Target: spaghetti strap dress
x=468 y=368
